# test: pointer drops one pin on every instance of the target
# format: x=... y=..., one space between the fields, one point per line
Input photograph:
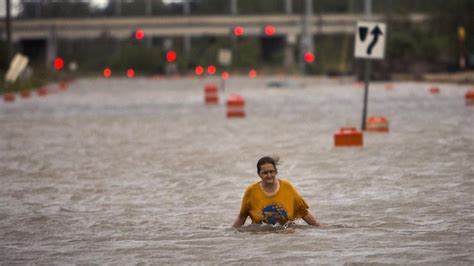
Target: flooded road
x=142 y=171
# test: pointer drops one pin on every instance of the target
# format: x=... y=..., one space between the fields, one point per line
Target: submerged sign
x=17 y=66
x=370 y=40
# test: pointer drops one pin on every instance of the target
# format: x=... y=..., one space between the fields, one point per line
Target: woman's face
x=268 y=173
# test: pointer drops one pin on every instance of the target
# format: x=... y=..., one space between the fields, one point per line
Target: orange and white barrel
x=235 y=106
x=63 y=85
x=388 y=86
x=43 y=91
x=9 y=97
x=469 y=97
x=434 y=90
x=348 y=137
x=377 y=124
x=211 y=95
x=25 y=94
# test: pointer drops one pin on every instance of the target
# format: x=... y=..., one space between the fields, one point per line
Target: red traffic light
x=309 y=57
x=58 y=63
x=211 y=70
x=107 y=72
x=139 y=34
x=199 y=70
x=224 y=75
x=171 y=56
x=269 y=30
x=252 y=73
x=239 y=31
x=130 y=73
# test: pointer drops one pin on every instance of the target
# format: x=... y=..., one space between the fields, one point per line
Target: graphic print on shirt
x=273 y=214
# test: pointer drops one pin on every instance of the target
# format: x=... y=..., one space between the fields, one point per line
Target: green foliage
x=260 y=7
x=206 y=7
x=90 y=54
x=63 y=8
x=331 y=6
x=35 y=81
x=331 y=54
x=245 y=51
x=139 y=57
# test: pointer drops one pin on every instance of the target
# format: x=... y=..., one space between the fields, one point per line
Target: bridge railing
x=188 y=25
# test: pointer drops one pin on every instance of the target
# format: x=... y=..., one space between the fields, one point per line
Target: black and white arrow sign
x=370 y=40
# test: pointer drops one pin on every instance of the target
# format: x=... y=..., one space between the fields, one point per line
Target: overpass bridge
x=176 y=26
x=288 y=27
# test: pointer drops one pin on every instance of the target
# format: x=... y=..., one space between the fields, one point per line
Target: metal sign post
x=369 y=44
x=366 y=93
x=224 y=57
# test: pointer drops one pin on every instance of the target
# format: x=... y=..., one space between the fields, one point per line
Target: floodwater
x=142 y=171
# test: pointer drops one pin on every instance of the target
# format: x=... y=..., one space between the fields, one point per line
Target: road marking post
x=369 y=44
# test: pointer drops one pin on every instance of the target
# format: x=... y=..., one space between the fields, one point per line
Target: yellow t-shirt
x=286 y=205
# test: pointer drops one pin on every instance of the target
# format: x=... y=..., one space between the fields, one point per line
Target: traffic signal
x=58 y=63
x=107 y=72
x=252 y=73
x=199 y=70
x=171 y=56
x=130 y=73
x=139 y=34
x=269 y=30
x=211 y=70
x=309 y=57
x=239 y=31
x=224 y=75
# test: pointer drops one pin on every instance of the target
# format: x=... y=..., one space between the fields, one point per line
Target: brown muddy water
x=142 y=171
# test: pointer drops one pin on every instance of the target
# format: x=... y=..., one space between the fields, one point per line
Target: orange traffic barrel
x=63 y=85
x=9 y=97
x=25 y=94
x=235 y=106
x=470 y=97
x=389 y=86
x=211 y=95
x=434 y=90
x=43 y=91
x=348 y=137
x=377 y=124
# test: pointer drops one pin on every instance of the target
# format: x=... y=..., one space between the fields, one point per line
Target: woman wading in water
x=272 y=200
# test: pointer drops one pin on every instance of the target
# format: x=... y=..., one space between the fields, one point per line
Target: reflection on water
x=141 y=171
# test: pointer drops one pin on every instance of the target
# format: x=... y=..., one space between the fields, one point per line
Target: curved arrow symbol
x=376 y=32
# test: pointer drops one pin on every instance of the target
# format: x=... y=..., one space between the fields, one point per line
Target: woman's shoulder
x=286 y=184
x=253 y=186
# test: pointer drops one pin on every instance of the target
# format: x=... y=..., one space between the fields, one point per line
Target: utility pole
x=288 y=7
x=233 y=7
x=187 y=38
x=367 y=66
x=306 y=39
x=8 y=31
x=148 y=8
x=118 y=7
